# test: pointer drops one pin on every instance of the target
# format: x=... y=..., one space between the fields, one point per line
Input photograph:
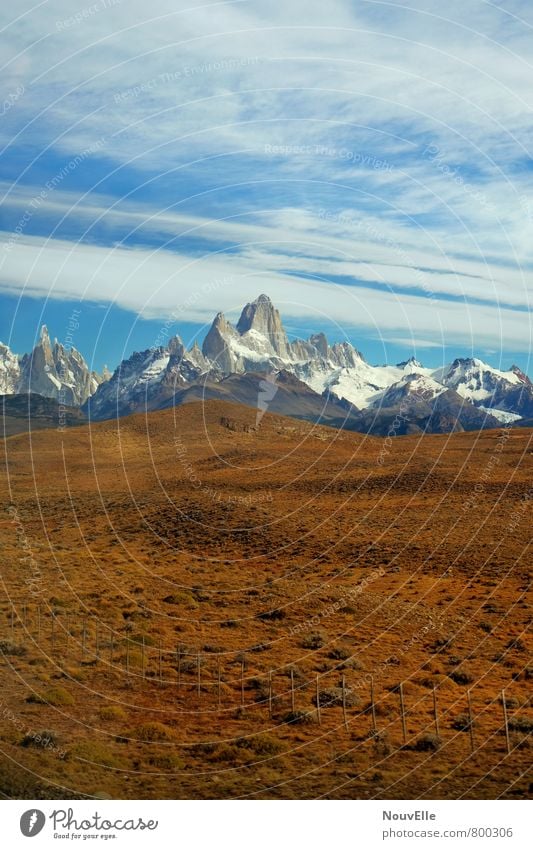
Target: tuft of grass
x=95 y=752
x=112 y=712
x=181 y=598
x=55 y=696
x=166 y=762
x=151 y=732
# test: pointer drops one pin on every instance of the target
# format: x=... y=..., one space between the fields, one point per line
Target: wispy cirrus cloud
x=380 y=150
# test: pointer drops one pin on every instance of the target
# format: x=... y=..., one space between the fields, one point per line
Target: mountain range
x=50 y=370
x=255 y=363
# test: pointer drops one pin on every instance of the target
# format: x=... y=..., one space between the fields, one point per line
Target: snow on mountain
x=474 y=379
x=411 y=388
x=502 y=415
x=49 y=370
x=146 y=380
x=258 y=344
x=9 y=371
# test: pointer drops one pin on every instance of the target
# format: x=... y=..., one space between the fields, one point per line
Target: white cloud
x=157 y=283
x=169 y=84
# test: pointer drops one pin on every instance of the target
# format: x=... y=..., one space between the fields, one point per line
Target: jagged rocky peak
x=411 y=364
x=9 y=371
x=320 y=342
x=345 y=355
x=56 y=372
x=175 y=346
x=520 y=375
x=215 y=345
x=262 y=316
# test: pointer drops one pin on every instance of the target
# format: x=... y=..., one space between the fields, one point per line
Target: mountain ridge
x=467 y=393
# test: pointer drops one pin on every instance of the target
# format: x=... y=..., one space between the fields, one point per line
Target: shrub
x=298 y=717
x=151 y=732
x=41 y=740
x=55 y=696
x=313 y=641
x=272 y=615
x=332 y=697
x=461 y=722
x=111 y=712
x=521 y=723
x=182 y=598
x=12 y=648
x=517 y=644
x=428 y=743
x=382 y=744
x=339 y=654
x=95 y=752
x=461 y=676
x=166 y=762
x=263 y=744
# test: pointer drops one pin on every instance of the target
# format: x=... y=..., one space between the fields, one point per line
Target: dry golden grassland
x=176 y=588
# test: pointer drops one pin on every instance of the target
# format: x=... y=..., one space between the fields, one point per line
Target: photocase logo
x=267 y=392
x=32 y=822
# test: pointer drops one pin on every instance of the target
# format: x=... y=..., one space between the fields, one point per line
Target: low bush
x=313 y=641
x=428 y=743
x=112 y=712
x=151 y=732
x=461 y=722
x=332 y=697
x=298 y=717
x=461 y=676
x=55 y=696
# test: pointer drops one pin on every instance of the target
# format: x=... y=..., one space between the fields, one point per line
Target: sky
x=366 y=164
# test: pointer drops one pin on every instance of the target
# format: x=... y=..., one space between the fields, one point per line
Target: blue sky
x=366 y=164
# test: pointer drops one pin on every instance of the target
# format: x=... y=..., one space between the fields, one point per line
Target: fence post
x=292 y=690
x=402 y=710
x=506 y=723
x=83 y=637
x=435 y=712
x=373 y=704
x=470 y=721
x=344 y=702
